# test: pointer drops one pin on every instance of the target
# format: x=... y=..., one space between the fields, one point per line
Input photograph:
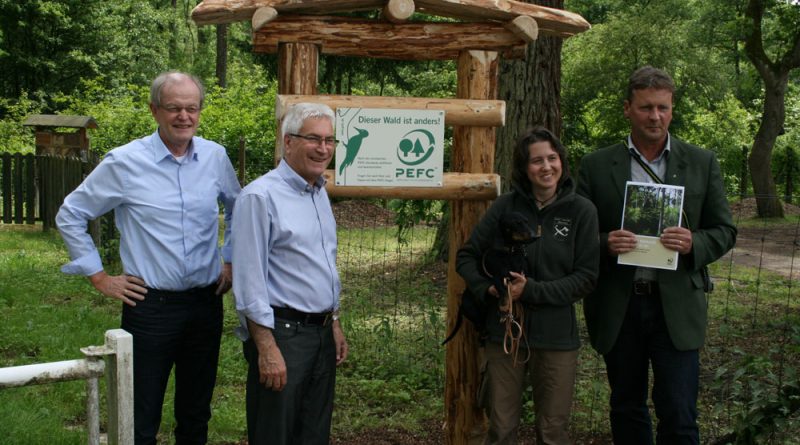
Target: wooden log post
x=298 y=72
x=473 y=152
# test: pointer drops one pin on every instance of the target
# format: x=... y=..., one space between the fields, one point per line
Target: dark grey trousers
x=300 y=413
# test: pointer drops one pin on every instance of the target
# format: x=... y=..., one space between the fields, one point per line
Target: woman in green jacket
x=540 y=338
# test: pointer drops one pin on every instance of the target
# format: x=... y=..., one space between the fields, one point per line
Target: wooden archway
x=300 y=30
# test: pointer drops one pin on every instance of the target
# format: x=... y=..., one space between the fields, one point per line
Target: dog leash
x=512 y=339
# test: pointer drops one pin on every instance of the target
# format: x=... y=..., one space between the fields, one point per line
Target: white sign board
x=388 y=148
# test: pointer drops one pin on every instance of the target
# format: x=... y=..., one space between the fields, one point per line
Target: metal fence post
x=120 y=387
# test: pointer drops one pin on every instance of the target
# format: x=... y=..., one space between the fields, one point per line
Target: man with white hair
x=165 y=191
x=287 y=287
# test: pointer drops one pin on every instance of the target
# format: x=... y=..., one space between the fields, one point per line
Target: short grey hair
x=298 y=113
x=171 y=77
x=649 y=77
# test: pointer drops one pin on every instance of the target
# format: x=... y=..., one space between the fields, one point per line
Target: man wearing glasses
x=287 y=287
x=165 y=191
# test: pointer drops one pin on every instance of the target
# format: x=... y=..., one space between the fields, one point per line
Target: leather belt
x=314 y=319
x=195 y=292
x=645 y=287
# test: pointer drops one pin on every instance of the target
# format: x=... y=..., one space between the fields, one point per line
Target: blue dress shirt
x=167 y=212
x=284 y=248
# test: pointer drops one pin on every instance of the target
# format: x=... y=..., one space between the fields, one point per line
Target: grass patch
x=393 y=312
x=393 y=319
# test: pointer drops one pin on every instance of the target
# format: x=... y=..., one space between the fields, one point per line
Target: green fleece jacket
x=562 y=264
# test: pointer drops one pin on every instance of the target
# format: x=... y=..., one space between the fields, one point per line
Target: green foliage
x=765 y=393
x=727 y=129
x=786 y=154
x=14 y=138
x=246 y=110
x=49 y=46
x=411 y=212
x=122 y=114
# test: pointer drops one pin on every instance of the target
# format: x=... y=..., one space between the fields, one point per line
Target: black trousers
x=180 y=329
x=300 y=414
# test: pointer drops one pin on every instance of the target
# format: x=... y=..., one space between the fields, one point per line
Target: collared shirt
x=638 y=174
x=167 y=212
x=284 y=248
x=658 y=165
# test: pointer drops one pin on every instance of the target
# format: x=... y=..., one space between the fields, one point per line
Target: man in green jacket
x=639 y=316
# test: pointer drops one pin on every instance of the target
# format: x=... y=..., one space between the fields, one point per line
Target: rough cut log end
x=262 y=16
x=398 y=11
x=524 y=27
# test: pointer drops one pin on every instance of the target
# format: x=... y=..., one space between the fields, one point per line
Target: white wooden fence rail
x=115 y=360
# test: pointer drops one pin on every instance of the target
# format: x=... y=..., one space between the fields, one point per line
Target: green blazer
x=602 y=179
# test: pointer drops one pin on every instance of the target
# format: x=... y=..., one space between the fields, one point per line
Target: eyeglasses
x=174 y=109
x=315 y=139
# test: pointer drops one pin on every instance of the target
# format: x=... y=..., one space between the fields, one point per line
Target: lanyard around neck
x=636 y=157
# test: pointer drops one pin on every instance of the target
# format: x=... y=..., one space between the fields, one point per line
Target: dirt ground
x=769 y=246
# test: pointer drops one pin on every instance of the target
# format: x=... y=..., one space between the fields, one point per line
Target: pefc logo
x=414 y=148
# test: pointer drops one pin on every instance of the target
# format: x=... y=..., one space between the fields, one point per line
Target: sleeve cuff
x=86 y=265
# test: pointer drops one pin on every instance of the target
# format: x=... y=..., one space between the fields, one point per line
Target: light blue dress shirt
x=167 y=212
x=284 y=248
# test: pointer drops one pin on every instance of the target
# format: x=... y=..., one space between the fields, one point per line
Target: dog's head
x=516 y=230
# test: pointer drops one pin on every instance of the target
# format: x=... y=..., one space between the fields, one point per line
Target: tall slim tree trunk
x=222 y=55
x=531 y=88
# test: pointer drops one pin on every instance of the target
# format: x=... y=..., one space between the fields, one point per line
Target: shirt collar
x=161 y=152
x=296 y=181
x=664 y=154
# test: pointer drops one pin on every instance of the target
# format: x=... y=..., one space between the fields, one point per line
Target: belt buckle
x=642 y=287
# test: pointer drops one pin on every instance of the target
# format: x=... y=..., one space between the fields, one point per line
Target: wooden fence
x=115 y=360
x=28 y=179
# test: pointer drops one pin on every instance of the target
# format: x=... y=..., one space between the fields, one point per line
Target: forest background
x=96 y=58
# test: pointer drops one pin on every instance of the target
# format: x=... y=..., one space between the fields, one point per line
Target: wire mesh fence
x=394 y=295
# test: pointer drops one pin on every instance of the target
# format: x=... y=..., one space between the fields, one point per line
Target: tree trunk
x=760 y=160
x=775 y=75
x=222 y=55
x=531 y=88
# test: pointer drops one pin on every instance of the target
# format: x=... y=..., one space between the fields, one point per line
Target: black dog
x=507 y=254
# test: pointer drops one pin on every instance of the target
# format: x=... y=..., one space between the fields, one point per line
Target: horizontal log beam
x=551 y=21
x=455 y=186
x=343 y=36
x=213 y=12
x=467 y=112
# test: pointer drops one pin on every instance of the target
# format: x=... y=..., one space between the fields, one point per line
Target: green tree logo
x=416 y=147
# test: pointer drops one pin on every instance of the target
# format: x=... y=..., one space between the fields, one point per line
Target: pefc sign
x=387 y=148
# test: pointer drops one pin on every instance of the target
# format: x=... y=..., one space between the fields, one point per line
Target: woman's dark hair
x=519 y=174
